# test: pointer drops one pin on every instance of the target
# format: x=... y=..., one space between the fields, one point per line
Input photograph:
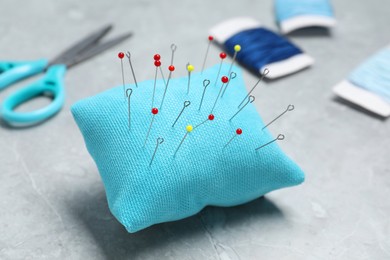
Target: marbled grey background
x=52 y=202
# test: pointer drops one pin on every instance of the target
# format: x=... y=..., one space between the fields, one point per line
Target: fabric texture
x=202 y=172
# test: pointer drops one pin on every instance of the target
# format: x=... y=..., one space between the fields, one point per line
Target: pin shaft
x=250 y=100
x=162 y=75
x=182 y=140
x=219 y=71
x=186 y=104
x=154 y=87
x=232 y=75
x=231 y=139
x=129 y=91
x=205 y=57
x=216 y=100
x=131 y=67
x=123 y=79
x=279 y=137
x=265 y=72
x=289 y=108
x=165 y=90
x=160 y=140
x=150 y=127
x=206 y=82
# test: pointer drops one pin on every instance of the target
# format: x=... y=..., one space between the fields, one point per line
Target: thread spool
x=261 y=48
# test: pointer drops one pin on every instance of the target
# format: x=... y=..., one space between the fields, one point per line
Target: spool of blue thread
x=369 y=84
x=260 y=47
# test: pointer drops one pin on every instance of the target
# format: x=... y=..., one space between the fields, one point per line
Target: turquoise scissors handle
x=51 y=83
x=11 y=72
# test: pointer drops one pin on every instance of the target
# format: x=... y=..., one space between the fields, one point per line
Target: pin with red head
x=121 y=55
x=222 y=55
x=224 y=80
x=238 y=132
x=210 y=38
x=209 y=118
x=154 y=113
x=157 y=64
x=171 y=68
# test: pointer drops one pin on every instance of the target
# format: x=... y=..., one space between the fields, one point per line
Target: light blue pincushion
x=202 y=172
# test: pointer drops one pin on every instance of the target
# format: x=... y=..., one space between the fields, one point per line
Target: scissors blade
x=97 y=49
x=81 y=45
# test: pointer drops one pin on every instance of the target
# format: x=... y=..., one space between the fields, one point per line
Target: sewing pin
x=171 y=68
x=121 y=55
x=265 y=72
x=206 y=82
x=157 y=63
x=237 y=48
x=189 y=69
x=238 y=132
x=131 y=67
x=222 y=55
x=232 y=75
x=209 y=118
x=250 y=100
x=279 y=137
x=186 y=104
x=154 y=112
x=289 y=108
x=224 y=80
x=160 y=140
x=157 y=57
x=173 y=49
x=189 y=128
x=129 y=91
x=211 y=38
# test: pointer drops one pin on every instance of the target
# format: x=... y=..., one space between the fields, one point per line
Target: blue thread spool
x=261 y=48
x=292 y=14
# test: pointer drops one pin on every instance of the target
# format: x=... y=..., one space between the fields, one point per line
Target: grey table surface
x=52 y=201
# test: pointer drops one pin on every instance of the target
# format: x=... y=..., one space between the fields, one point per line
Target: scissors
x=52 y=83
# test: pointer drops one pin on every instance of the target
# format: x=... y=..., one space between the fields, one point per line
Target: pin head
x=211 y=38
x=206 y=82
x=239 y=131
x=157 y=56
x=224 y=79
x=222 y=55
x=189 y=128
x=155 y=111
x=290 y=107
x=280 y=137
x=171 y=68
x=211 y=117
x=237 y=48
x=190 y=67
x=157 y=63
x=121 y=55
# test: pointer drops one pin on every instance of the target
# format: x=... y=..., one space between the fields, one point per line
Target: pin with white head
x=157 y=58
x=211 y=38
x=128 y=54
x=222 y=55
x=206 y=82
x=224 y=80
x=173 y=49
x=265 y=72
x=249 y=100
x=157 y=63
x=160 y=140
x=279 y=137
x=154 y=113
x=209 y=118
x=171 y=68
x=190 y=68
x=129 y=91
x=289 y=108
x=238 y=132
x=237 y=48
x=121 y=55
x=189 y=129
x=186 y=104
x=232 y=75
